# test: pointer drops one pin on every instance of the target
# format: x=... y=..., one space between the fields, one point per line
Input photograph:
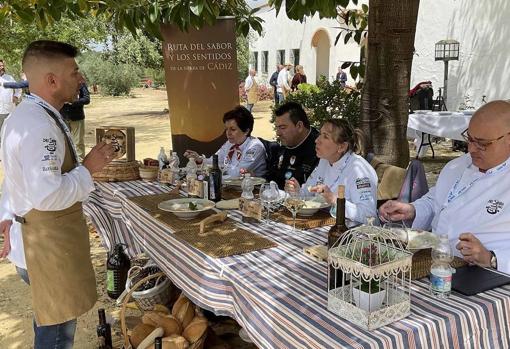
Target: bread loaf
x=195 y=329
x=170 y=325
x=184 y=311
x=148 y=341
x=175 y=342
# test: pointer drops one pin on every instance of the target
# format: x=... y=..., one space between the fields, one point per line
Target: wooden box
x=123 y=139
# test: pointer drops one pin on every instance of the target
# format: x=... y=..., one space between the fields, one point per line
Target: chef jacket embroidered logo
x=362 y=183
x=51 y=144
x=292 y=160
x=494 y=206
x=280 y=161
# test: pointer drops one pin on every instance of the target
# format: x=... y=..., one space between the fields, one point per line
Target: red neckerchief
x=234 y=149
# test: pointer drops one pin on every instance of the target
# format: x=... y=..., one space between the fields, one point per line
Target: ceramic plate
x=312 y=205
x=186 y=208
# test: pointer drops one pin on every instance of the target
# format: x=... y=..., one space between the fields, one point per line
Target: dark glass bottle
x=336 y=233
x=158 y=343
x=117 y=267
x=215 y=181
x=104 y=331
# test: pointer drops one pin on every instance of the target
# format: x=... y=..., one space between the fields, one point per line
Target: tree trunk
x=384 y=102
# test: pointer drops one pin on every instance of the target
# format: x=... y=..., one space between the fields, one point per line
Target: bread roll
x=139 y=333
x=184 y=311
x=160 y=308
x=150 y=318
x=170 y=325
x=195 y=329
x=148 y=342
x=175 y=342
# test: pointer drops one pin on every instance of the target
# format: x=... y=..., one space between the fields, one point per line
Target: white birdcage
x=369 y=277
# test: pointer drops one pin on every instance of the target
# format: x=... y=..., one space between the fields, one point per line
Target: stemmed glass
x=268 y=194
x=294 y=202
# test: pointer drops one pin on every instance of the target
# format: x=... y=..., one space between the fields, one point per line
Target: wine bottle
x=104 y=331
x=215 y=181
x=158 y=343
x=336 y=233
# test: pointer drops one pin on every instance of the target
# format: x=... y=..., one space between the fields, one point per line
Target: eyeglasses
x=480 y=144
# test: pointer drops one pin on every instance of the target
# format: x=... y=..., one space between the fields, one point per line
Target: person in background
x=471 y=199
x=74 y=116
x=341 y=76
x=295 y=157
x=242 y=152
x=45 y=234
x=8 y=97
x=283 y=87
x=252 y=88
x=274 y=82
x=298 y=78
x=338 y=147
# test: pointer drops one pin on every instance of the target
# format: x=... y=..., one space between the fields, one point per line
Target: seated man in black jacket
x=74 y=116
x=296 y=156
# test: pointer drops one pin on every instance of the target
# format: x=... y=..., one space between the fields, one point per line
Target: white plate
x=421 y=111
x=468 y=112
x=236 y=181
x=312 y=205
x=180 y=207
x=445 y=113
x=232 y=204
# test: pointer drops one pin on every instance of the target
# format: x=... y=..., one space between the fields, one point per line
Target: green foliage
x=328 y=100
x=243 y=57
x=140 y=51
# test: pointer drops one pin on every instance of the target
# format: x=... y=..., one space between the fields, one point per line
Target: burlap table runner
x=422 y=261
x=218 y=240
x=319 y=219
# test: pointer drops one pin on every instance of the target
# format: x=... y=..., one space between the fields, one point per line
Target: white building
x=481 y=27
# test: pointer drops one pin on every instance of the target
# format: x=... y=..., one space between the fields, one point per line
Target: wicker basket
x=118 y=171
x=161 y=293
x=199 y=344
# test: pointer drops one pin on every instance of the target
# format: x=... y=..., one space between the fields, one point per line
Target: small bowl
x=180 y=207
x=149 y=173
x=312 y=205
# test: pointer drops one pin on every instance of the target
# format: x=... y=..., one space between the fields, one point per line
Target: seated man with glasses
x=471 y=200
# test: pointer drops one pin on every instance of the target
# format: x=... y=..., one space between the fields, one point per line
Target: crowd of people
x=45 y=182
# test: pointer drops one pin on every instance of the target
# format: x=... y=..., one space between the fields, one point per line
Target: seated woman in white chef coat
x=241 y=151
x=337 y=147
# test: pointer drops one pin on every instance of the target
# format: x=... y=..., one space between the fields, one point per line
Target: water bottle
x=174 y=160
x=117 y=267
x=162 y=158
x=247 y=187
x=191 y=172
x=441 y=271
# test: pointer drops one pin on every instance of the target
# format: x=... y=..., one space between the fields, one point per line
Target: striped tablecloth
x=279 y=295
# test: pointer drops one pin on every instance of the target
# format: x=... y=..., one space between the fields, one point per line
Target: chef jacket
x=467 y=200
x=32 y=151
x=359 y=179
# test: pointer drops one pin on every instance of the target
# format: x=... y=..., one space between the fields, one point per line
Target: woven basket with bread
x=181 y=328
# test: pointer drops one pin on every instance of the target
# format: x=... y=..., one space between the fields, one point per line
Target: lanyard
x=455 y=192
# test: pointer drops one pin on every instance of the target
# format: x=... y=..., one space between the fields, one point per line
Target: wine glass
x=294 y=202
x=268 y=194
x=399 y=229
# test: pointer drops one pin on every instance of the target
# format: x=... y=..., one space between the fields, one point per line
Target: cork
x=341 y=191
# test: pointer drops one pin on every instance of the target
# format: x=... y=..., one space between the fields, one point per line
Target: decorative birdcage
x=369 y=277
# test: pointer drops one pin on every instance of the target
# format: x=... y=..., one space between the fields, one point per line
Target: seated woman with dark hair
x=241 y=151
x=337 y=147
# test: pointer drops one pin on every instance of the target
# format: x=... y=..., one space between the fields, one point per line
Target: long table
x=279 y=295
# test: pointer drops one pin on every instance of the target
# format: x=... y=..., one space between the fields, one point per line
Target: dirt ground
x=147 y=112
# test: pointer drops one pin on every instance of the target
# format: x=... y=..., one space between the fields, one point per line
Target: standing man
x=8 y=97
x=341 y=76
x=74 y=116
x=252 y=88
x=283 y=86
x=274 y=82
x=296 y=157
x=43 y=189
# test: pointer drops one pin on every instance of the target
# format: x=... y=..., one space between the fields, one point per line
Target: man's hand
x=98 y=157
x=396 y=211
x=292 y=185
x=5 y=227
x=193 y=154
x=324 y=190
x=473 y=251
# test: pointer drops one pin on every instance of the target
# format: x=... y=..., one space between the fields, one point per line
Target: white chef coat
x=248 y=83
x=251 y=155
x=283 y=81
x=33 y=150
x=6 y=94
x=467 y=200
x=359 y=179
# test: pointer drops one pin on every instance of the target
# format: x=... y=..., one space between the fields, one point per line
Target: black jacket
x=74 y=111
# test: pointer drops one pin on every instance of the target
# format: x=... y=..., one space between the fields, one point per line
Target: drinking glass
x=268 y=194
x=398 y=229
x=294 y=202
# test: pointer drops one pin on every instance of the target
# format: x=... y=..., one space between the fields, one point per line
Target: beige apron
x=57 y=253
x=253 y=96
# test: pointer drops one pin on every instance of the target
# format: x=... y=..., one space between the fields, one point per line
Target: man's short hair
x=49 y=49
x=296 y=113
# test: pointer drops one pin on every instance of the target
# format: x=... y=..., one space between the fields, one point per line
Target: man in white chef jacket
x=8 y=97
x=471 y=200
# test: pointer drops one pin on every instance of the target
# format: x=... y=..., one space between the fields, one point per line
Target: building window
x=280 y=57
x=254 y=60
x=264 y=62
x=294 y=56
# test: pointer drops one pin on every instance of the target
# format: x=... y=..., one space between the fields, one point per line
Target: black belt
x=19 y=219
